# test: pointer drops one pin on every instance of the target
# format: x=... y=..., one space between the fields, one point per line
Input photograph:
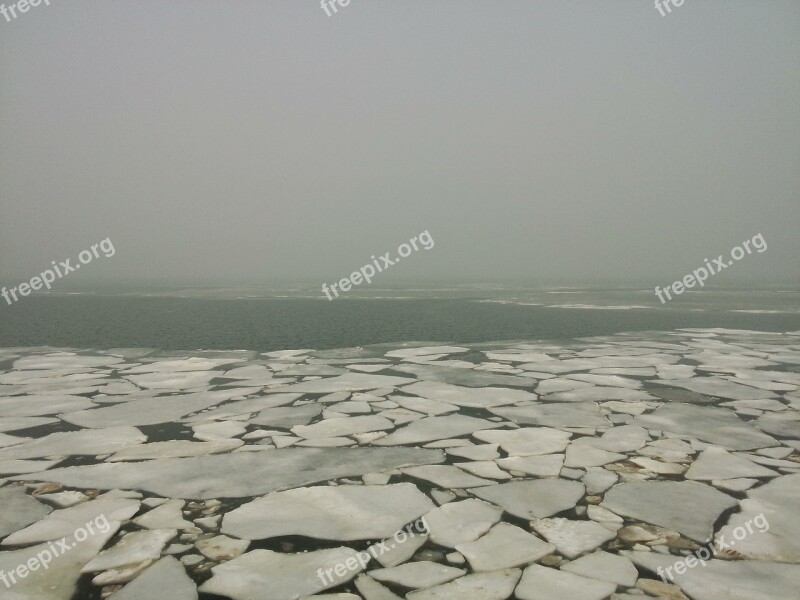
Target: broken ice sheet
x=491 y=585
x=666 y=504
x=343 y=426
x=165 y=579
x=87 y=442
x=279 y=576
x=417 y=574
x=767 y=527
x=152 y=411
x=19 y=510
x=456 y=523
x=238 y=475
x=17 y=423
x=430 y=429
x=59 y=581
x=174 y=449
x=485 y=397
x=464 y=376
x=573 y=538
x=542 y=583
x=527 y=440
x=715 y=464
x=331 y=513
x=711 y=424
x=61 y=523
x=579 y=414
x=713 y=386
x=727 y=579
x=504 y=546
x=349 y=382
x=663 y=436
x=533 y=499
x=173 y=380
x=446 y=476
x=34 y=406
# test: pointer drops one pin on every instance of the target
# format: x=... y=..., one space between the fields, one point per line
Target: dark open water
x=231 y=318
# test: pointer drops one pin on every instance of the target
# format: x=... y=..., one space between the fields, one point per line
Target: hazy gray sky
x=533 y=139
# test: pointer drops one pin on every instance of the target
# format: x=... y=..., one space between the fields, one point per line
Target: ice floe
x=535 y=467
x=332 y=513
x=19 y=510
x=281 y=576
x=533 y=499
x=504 y=546
x=688 y=507
x=221 y=475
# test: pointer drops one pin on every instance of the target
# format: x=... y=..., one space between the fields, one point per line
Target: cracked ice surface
x=540 y=469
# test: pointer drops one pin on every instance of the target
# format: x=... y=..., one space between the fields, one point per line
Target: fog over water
x=263 y=141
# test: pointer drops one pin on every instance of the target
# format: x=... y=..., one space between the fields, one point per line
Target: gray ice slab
x=599 y=393
x=446 y=476
x=19 y=510
x=59 y=581
x=457 y=523
x=492 y=585
x=349 y=382
x=242 y=407
x=783 y=424
x=573 y=538
x=688 y=507
x=435 y=428
x=152 y=411
x=104 y=512
x=579 y=414
x=503 y=547
x=171 y=380
x=711 y=424
x=527 y=440
x=464 y=377
x=287 y=416
x=767 y=527
x=17 y=423
x=542 y=583
x=547 y=465
x=716 y=464
x=89 y=442
x=417 y=574
x=332 y=513
x=64 y=361
x=727 y=579
x=35 y=406
x=239 y=474
x=15 y=467
x=605 y=567
x=174 y=449
x=343 y=426
x=262 y=574
x=132 y=549
x=165 y=579
x=484 y=397
x=533 y=499
x=721 y=388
